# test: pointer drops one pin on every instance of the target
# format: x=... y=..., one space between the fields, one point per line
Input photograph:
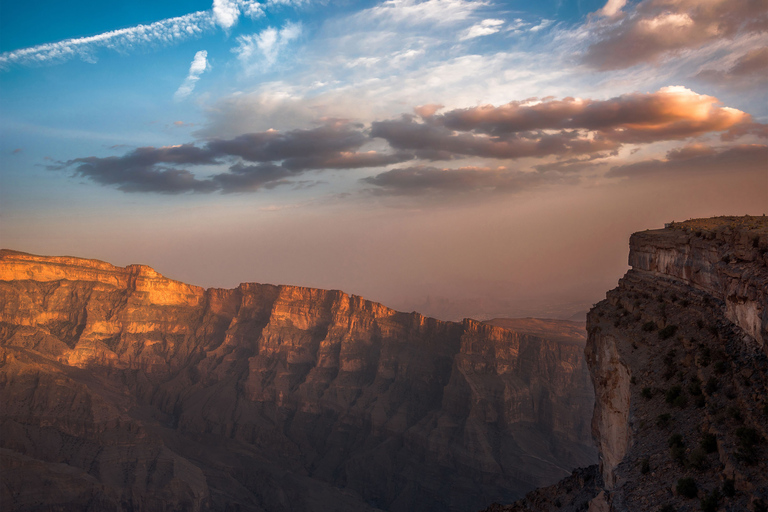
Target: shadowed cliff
x=124 y=390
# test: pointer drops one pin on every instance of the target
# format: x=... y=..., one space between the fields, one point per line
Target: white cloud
x=428 y=11
x=612 y=8
x=169 y=31
x=264 y=48
x=226 y=13
x=484 y=28
x=198 y=67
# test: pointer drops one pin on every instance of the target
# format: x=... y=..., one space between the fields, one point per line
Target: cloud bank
x=566 y=135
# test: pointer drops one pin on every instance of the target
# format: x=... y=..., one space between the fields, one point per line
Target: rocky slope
x=679 y=361
x=124 y=390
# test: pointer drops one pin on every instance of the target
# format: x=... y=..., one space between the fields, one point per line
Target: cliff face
x=122 y=388
x=678 y=358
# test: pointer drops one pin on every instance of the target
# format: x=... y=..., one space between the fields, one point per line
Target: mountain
x=125 y=390
x=678 y=354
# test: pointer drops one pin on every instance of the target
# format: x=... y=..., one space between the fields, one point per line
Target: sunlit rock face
x=679 y=363
x=122 y=389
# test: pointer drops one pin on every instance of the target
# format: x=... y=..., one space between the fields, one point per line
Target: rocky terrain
x=125 y=390
x=679 y=361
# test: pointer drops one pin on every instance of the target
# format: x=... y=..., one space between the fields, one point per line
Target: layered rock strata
x=124 y=390
x=679 y=363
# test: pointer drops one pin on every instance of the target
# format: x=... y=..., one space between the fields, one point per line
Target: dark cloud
x=138 y=178
x=278 y=157
x=432 y=140
x=745 y=158
x=758 y=130
x=322 y=142
x=422 y=180
x=660 y=28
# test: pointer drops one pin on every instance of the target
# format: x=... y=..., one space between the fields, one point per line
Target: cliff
x=122 y=389
x=678 y=358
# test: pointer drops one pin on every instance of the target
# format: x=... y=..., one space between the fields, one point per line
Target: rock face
x=123 y=390
x=679 y=362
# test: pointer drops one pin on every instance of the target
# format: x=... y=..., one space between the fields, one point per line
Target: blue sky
x=486 y=154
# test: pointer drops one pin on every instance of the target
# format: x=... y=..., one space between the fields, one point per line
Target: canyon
x=679 y=361
x=124 y=390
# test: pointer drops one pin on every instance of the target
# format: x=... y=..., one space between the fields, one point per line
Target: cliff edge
x=125 y=390
x=678 y=358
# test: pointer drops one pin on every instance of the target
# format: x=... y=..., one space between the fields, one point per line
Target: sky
x=459 y=158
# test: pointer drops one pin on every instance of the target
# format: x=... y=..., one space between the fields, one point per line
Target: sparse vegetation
x=698 y=458
x=712 y=385
x=645 y=466
x=646 y=393
x=662 y=421
x=649 y=326
x=720 y=367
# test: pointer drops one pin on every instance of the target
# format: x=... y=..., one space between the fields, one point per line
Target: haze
x=457 y=158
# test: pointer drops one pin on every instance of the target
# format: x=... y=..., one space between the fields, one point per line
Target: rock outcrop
x=124 y=390
x=679 y=362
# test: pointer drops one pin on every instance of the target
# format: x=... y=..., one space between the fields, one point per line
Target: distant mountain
x=124 y=390
x=564 y=331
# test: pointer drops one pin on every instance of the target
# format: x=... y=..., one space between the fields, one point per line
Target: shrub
x=645 y=466
x=709 y=503
x=681 y=402
x=712 y=385
x=729 y=487
x=647 y=393
x=720 y=367
x=673 y=393
x=700 y=401
x=698 y=458
x=667 y=508
x=686 y=487
x=748 y=439
x=694 y=387
x=760 y=506
x=667 y=332
x=709 y=443
x=700 y=323
x=663 y=420
x=735 y=413
x=649 y=326
x=675 y=440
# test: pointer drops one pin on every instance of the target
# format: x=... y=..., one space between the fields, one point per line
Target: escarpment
x=679 y=363
x=123 y=390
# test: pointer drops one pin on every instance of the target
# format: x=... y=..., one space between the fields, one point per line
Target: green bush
x=647 y=393
x=720 y=367
x=694 y=387
x=712 y=385
x=686 y=487
x=675 y=440
x=645 y=466
x=649 y=326
x=662 y=420
x=748 y=439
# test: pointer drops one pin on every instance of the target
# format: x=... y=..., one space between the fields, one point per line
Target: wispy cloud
x=484 y=28
x=164 y=32
x=264 y=47
x=198 y=67
x=224 y=13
